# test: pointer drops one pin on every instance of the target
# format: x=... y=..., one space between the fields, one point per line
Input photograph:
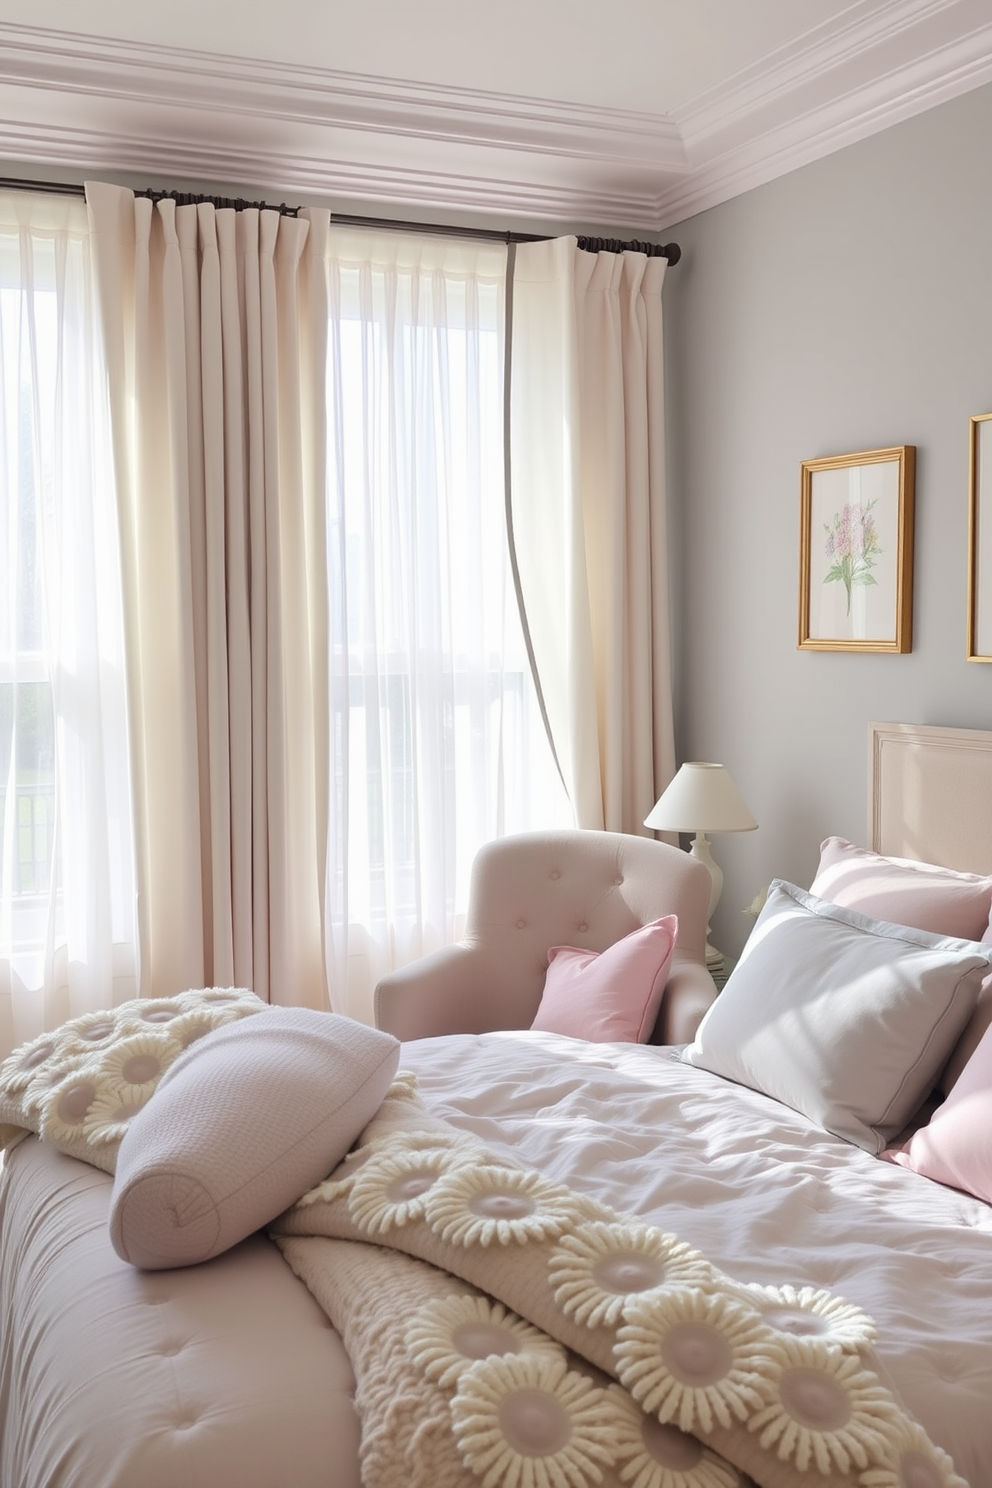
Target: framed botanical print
x=980 y=540
x=856 y=551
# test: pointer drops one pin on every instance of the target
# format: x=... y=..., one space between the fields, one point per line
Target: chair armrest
x=444 y=992
x=449 y=991
x=688 y=993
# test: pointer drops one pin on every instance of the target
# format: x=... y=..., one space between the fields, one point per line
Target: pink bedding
x=229 y=1374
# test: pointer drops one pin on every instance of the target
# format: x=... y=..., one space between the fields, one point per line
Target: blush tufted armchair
x=536 y=890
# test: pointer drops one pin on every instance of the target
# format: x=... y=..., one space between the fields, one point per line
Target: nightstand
x=720 y=971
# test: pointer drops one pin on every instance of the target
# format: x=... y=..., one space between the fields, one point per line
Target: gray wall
x=846 y=306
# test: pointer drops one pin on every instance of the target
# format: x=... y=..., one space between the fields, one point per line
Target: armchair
x=536 y=890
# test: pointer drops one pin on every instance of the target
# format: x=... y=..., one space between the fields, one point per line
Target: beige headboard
x=930 y=794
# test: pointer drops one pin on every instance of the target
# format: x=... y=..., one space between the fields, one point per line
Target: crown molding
x=100 y=68
x=922 y=83
x=94 y=151
x=883 y=35
x=100 y=104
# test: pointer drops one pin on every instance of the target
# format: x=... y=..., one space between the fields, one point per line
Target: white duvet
x=764 y=1195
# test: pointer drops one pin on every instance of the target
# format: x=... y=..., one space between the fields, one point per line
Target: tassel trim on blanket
x=668 y=1372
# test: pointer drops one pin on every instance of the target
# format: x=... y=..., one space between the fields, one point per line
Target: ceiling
x=629 y=115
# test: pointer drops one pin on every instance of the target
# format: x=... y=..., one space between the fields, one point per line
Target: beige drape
x=589 y=524
x=215 y=326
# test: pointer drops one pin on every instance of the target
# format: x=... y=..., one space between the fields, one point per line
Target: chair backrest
x=536 y=890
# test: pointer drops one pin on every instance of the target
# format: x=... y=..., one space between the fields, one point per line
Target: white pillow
x=844 y=1018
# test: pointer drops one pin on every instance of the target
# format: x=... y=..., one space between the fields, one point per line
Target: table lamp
x=702 y=798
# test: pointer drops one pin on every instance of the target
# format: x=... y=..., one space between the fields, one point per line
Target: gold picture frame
x=856 y=551
x=980 y=539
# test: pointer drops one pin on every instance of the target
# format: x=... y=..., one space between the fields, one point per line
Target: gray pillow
x=844 y=1018
x=240 y=1126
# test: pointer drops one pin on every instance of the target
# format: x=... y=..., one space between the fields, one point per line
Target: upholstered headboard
x=930 y=794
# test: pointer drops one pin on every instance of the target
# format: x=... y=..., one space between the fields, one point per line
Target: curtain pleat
x=216 y=399
x=589 y=519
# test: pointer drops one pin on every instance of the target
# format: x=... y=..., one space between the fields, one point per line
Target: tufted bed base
x=222 y=1374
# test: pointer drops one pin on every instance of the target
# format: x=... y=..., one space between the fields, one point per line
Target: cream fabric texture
x=215 y=328
x=590 y=521
x=79 y=1086
x=242 y=1124
x=844 y=1018
x=379 y=1298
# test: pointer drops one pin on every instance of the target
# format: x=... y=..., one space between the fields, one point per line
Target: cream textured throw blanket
x=508 y=1332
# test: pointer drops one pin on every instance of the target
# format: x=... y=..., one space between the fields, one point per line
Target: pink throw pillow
x=974 y=1031
x=612 y=996
x=956 y=1147
x=920 y=895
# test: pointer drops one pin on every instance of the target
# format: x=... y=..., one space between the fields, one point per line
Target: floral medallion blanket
x=509 y=1332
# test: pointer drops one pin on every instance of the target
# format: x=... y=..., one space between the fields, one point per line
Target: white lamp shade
x=701 y=798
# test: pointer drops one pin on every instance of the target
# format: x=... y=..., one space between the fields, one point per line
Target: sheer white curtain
x=589 y=519
x=67 y=921
x=437 y=742
x=215 y=330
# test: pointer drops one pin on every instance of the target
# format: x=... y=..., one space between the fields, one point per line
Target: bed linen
x=217 y=1373
x=765 y=1195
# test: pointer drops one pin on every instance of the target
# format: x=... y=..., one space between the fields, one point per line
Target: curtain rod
x=671 y=251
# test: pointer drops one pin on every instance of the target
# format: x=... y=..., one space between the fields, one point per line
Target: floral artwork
x=852 y=546
x=856 y=551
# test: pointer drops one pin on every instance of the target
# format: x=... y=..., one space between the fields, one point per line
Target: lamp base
x=700 y=848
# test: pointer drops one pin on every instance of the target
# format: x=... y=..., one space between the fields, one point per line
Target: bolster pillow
x=244 y=1122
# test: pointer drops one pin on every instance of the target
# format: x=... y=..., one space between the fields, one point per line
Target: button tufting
x=583 y=926
x=948 y=1367
x=618 y=880
x=556 y=873
x=521 y=924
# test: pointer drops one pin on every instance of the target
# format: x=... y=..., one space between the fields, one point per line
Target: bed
x=231 y=1371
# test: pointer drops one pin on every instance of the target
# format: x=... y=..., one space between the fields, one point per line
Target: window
x=66 y=879
x=29 y=868
x=437 y=738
